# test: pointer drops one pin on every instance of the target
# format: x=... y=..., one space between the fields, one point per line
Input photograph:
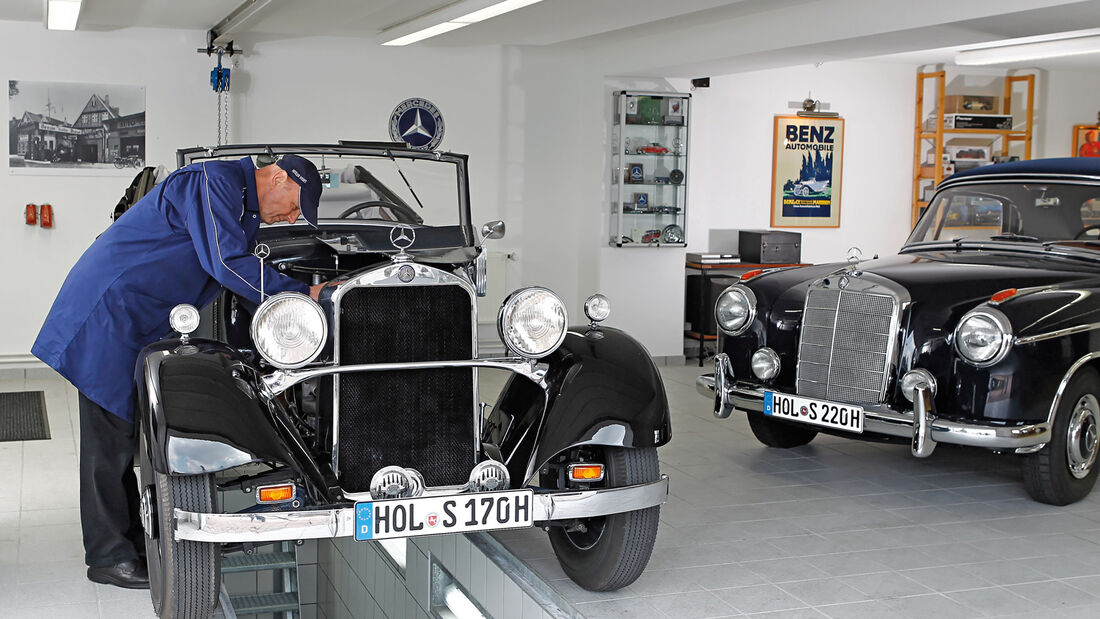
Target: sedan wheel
x=1065 y=470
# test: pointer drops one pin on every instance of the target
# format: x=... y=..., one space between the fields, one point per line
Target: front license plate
x=483 y=511
x=814 y=412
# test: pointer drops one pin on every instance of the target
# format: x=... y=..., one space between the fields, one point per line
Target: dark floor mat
x=23 y=416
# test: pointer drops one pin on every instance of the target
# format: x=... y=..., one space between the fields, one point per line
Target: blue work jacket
x=181 y=243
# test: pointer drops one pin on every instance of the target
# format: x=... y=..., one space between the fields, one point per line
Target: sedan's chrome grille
x=844 y=347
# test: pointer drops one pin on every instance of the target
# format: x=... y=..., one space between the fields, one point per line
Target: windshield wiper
x=1012 y=236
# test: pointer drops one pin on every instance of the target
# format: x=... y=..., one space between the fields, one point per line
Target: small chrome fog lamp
x=488 y=476
x=914 y=379
x=184 y=318
x=597 y=308
x=765 y=364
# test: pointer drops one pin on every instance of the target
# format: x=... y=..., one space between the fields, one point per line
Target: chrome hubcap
x=1081 y=439
x=145 y=510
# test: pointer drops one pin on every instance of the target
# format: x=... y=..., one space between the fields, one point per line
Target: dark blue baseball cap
x=303 y=172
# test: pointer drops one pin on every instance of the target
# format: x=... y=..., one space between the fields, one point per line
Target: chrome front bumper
x=920 y=424
x=340 y=522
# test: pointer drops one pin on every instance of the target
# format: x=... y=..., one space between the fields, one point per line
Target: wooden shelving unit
x=924 y=139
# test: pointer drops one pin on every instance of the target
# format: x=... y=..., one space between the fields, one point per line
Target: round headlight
x=532 y=322
x=983 y=337
x=184 y=318
x=597 y=308
x=735 y=309
x=765 y=363
x=289 y=330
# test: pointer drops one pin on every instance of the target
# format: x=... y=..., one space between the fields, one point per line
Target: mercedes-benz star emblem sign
x=418 y=123
x=402 y=236
x=262 y=251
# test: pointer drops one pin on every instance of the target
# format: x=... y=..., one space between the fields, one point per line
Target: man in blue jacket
x=188 y=238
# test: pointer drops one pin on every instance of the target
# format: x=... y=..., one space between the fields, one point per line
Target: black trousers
x=108 y=487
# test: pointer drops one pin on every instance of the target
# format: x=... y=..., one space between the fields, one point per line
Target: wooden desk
x=706 y=304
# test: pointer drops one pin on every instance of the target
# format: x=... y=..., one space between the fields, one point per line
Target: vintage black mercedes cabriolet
x=984 y=331
x=360 y=415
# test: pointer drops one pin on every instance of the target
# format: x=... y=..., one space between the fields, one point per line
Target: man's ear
x=278 y=176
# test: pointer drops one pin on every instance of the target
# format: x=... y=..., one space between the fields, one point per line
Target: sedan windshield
x=1023 y=212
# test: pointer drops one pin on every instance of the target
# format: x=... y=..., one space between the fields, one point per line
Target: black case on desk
x=770 y=246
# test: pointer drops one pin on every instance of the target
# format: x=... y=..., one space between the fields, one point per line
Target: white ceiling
x=683 y=38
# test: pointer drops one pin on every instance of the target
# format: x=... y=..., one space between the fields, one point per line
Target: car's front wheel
x=184 y=576
x=610 y=552
x=1065 y=470
x=777 y=433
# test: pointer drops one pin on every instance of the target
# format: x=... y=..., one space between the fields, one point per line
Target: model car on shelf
x=653 y=148
x=987 y=337
x=651 y=236
x=360 y=415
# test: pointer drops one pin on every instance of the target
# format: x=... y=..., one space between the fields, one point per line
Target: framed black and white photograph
x=67 y=128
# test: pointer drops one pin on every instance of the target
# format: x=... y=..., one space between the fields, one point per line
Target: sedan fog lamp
x=765 y=364
x=983 y=337
x=184 y=318
x=597 y=308
x=915 y=378
x=532 y=322
x=735 y=309
x=289 y=330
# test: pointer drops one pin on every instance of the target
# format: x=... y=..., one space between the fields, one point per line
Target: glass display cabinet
x=649 y=171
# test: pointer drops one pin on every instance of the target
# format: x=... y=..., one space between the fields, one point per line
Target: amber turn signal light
x=32 y=214
x=585 y=472
x=275 y=494
x=47 y=216
x=747 y=275
x=1003 y=295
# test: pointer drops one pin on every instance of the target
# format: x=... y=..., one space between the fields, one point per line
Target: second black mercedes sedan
x=983 y=331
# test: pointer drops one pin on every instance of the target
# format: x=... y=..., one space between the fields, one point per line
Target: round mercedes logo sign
x=406 y=273
x=418 y=123
x=262 y=251
x=402 y=236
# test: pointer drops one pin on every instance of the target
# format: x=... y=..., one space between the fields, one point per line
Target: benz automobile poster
x=75 y=129
x=806 y=172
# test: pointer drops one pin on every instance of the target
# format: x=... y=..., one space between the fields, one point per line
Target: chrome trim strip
x=388 y=276
x=279 y=381
x=1056 y=334
x=883 y=420
x=340 y=522
x=1057 y=399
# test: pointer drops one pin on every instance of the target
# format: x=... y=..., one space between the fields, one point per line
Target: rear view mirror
x=493 y=230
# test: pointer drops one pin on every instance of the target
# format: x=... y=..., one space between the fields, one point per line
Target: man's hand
x=315 y=291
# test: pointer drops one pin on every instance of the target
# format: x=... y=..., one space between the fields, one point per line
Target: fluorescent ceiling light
x=1029 y=51
x=62 y=14
x=442 y=22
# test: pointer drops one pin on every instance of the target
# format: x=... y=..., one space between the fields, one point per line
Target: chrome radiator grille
x=844 y=348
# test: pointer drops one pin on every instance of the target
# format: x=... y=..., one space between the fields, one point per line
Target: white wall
x=179 y=111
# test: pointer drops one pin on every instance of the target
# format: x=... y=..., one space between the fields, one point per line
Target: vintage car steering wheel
x=403 y=213
x=1086 y=229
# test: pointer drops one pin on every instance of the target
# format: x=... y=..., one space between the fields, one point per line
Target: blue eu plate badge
x=364 y=526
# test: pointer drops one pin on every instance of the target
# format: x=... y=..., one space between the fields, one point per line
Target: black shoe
x=128 y=575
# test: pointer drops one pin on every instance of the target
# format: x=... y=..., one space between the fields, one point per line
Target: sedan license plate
x=483 y=511
x=814 y=412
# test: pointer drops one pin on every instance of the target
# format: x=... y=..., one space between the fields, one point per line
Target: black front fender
x=601 y=388
x=201 y=411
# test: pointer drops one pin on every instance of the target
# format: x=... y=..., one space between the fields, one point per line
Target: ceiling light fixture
x=441 y=21
x=62 y=14
x=1029 y=51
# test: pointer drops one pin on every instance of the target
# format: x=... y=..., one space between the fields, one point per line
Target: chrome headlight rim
x=750 y=300
x=1000 y=321
x=266 y=306
x=509 y=304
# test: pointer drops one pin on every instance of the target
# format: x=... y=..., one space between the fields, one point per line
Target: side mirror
x=492 y=230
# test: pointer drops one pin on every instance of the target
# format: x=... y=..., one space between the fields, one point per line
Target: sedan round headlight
x=983 y=337
x=532 y=322
x=289 y=330
x=765 y=363
x=735 y=309
x=184 y=318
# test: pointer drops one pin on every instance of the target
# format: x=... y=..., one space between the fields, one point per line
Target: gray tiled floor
x=834 y=529
x=843 y=528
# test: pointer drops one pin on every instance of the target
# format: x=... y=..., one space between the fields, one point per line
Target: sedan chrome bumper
x=920 y=424
x=340 y=522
